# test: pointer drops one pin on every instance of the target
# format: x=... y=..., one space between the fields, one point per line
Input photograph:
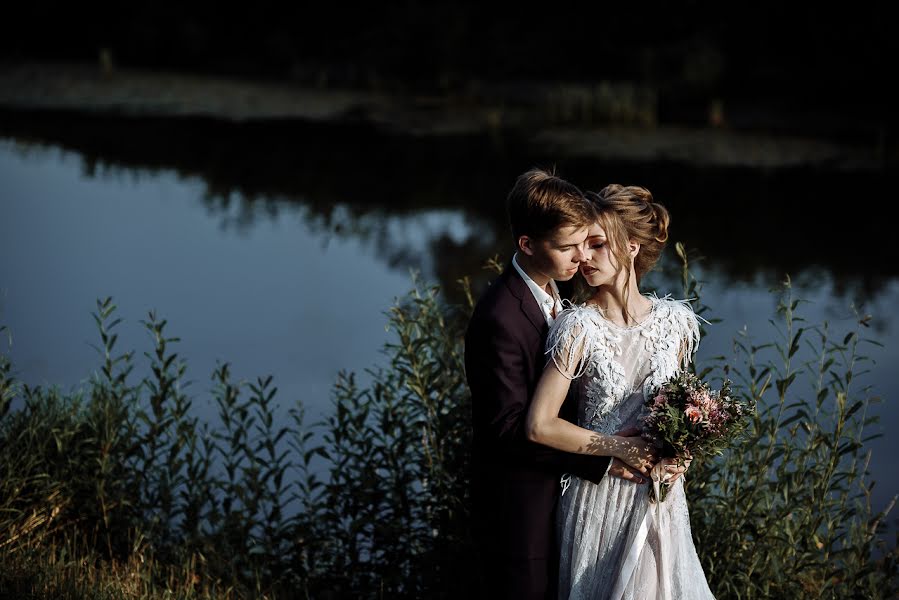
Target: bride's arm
x=544 y=426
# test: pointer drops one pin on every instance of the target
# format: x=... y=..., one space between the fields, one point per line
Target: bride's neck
x=612 y=303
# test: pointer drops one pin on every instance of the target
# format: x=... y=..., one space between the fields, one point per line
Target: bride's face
x=601 y=269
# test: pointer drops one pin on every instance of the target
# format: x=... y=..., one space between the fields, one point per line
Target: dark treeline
x=784 y=56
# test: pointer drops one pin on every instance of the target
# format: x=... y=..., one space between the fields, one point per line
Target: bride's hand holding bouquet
x=687 y=419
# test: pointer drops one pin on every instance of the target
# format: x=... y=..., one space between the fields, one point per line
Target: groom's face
x=559 y=255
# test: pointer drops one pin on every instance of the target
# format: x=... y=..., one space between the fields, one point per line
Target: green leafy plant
x=787 y=513
x=118 y=490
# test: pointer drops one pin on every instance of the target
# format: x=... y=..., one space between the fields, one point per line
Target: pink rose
x=694 y=414
x=701 y=398
x=660 y=400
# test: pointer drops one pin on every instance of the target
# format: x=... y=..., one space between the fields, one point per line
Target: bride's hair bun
x=633 y=214
x=657 y=214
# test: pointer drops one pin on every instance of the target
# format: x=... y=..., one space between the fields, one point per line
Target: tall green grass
x=788 y=513
x=119 y=491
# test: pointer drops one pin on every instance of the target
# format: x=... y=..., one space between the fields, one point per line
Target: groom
x=515 y=482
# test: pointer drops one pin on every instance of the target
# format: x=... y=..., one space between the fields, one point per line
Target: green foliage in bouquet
x=690 y=419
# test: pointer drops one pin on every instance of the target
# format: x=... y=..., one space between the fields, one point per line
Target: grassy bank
x=119 y=491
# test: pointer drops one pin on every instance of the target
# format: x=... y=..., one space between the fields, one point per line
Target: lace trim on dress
x=570 y=342
x=582 y=343
x=669 y=352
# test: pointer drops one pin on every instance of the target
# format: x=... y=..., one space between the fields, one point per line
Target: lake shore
x=607 y=121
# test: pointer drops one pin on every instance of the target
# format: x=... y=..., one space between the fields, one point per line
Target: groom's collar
x=526 y=300
x=539 y=293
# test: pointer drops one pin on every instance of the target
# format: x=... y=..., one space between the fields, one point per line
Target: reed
x=117 y=490
x=788 y=513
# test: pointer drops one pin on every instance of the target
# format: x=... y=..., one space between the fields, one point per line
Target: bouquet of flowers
x=687 y=419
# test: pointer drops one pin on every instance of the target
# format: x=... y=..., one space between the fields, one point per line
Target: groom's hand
x=618 y=468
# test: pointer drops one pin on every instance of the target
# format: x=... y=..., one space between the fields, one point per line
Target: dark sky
x=792 y=68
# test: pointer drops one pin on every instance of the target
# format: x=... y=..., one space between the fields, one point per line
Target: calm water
x=285 y=262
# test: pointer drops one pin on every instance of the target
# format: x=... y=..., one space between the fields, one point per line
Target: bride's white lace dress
x=615 y=543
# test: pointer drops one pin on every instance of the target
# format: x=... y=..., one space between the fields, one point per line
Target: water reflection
x=347 y=181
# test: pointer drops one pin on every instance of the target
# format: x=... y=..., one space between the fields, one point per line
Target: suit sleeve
x=499 y=388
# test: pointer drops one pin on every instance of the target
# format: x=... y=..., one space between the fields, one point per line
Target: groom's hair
x=541 y=202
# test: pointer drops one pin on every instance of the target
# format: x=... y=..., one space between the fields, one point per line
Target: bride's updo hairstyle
x=629 y=213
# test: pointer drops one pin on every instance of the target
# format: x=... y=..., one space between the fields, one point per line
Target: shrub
x=117 y=490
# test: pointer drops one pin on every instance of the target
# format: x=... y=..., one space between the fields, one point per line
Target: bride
x=612 y=351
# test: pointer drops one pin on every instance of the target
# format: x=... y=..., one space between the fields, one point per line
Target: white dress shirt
x=549 y=305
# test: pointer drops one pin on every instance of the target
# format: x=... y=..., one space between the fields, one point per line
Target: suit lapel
x=526 y=300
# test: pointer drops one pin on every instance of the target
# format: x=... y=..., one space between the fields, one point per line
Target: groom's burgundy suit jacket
x=515 y=482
